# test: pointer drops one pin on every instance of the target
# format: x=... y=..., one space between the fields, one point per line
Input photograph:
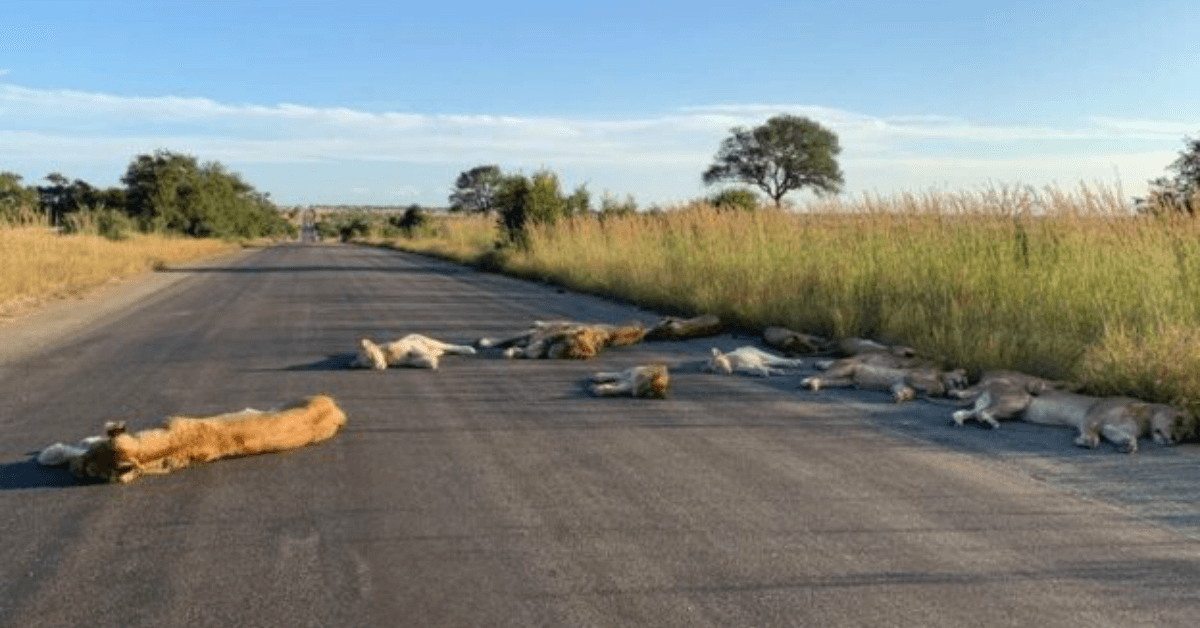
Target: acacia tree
x=784 y=154
x=475 y=190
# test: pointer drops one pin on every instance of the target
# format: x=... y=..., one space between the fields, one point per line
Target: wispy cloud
x=43 y=126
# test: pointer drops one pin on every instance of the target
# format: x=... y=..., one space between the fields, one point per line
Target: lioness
x=567 y=340
x=412 y=350
x=1001 y=395
x=1122 y=421
x=648 y=382
x=794 y=342
x=182 y=441
x=672 y=328
x=904 y=383
x=750 y=361
x=860 y=346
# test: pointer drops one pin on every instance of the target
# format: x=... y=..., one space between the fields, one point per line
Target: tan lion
x=412 y=350
x=794 y=342
x=1122 y=421
x=673 y=328
x=647 y=382
x=750 y=361
x=557 y=340
x=1004 y=395
x=883 y=371
x=120 y=456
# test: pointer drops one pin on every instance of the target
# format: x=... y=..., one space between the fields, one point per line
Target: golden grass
x=40 y=265
x=1054 y=283
x=455 y=237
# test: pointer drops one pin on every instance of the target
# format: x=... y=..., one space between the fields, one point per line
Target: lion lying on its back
x=120 y=456
x=412 y=350
x=750 y=361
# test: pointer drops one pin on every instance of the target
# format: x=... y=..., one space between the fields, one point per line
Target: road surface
x=497 y=493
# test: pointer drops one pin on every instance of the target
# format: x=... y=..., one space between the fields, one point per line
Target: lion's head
x=106 y=459
x=719 y=363
x=370 y=355
x=1170 y=425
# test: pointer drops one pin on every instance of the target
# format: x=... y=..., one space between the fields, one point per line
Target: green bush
x=734 y=198
x=412 y=222
x=107 y=223
x=523 y=201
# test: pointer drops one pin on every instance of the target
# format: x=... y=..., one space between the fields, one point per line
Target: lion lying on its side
x=1002 y=395
x=557 y=340
x=794 y=342
x=673 y=328
x=120 y=456
x=904 y=377
x=412 y=350
x=1122 y=420
x=648 y=382
x=750 y=361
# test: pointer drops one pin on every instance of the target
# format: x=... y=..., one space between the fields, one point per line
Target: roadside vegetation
x=64 y=237
x=41 y=264
x=1065 y=284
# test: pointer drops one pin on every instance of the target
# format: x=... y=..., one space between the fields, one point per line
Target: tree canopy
x=17 y=202
x=174 y=192
x=475 y=190
x=523 y=201
x=1181 y=192
x=786 y=153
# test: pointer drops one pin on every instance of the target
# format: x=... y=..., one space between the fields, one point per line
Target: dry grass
x=40 y=265
x=455 y=237
x=1060 y=284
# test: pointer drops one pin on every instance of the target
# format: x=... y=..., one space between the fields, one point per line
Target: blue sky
x=374 y=102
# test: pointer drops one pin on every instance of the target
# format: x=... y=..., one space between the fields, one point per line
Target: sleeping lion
x=647 y=382
x=557 y=340
x=412 y=350
x=1121 y=421
x=121 y=456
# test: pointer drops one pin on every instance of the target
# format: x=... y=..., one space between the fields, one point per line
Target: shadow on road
x=339 y=362
x=29 y=474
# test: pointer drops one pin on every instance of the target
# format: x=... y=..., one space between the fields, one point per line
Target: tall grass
x=38 y=264
x=1057 y=283
x=462 y=238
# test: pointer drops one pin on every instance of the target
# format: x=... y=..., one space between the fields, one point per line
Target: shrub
x=734 y=198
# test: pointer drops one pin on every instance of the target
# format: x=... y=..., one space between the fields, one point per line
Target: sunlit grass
x=1054 y=283
x=40 y=264
x=456 y=237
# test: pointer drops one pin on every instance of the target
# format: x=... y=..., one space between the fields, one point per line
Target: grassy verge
x=40 y=265
x=1059 y=284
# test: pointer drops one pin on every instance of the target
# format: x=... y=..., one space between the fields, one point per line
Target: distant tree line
x=163 y=192
x=785 y=154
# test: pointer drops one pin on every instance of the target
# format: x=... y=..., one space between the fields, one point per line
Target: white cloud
x=666 y=151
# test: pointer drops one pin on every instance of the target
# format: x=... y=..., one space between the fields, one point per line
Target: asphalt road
x=497 y=493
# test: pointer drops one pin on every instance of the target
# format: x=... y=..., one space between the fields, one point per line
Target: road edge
x=51 y=325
